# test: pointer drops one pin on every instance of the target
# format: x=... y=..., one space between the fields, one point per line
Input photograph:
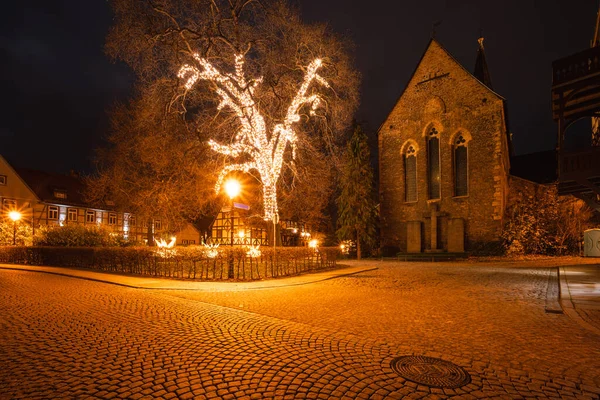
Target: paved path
x=74 y=338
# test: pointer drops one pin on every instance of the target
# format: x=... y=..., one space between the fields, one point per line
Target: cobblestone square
x=64 y=337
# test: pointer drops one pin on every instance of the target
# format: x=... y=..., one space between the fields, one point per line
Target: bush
x=23 y=237
x=546 y=224
x=75 y=235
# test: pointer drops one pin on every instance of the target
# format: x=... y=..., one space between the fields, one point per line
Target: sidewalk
x=580 y=294
x=140 y=282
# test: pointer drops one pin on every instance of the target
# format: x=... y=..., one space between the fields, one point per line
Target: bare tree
x=238 y=42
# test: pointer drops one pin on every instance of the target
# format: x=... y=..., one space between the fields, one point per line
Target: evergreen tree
x=356 y=206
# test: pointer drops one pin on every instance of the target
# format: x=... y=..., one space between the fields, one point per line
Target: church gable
x=438 y=70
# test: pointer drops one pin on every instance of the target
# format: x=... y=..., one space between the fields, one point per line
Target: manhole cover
x=433 y=372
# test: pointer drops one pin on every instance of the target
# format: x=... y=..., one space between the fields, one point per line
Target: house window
x=9 y=205
x=112 y=219
x=90 y=216
x=2 y=180
x=53 y=212
x=157 y=225
x=410 y=174
x=60 y=194
x=131 y=220
x=433 y=164
x=72 y=214
x=461 y=175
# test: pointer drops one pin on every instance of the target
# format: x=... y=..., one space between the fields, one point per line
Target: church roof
x=481 y=71
x=433 y=42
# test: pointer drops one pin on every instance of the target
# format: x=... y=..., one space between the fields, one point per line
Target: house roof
x=50 y=187
x=203 y=224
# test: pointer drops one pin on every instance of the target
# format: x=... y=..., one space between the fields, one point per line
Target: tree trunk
x=357 y=245
x=270 y=203
x=271 y=212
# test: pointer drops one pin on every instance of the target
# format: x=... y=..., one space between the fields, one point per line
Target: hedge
x=183 y=262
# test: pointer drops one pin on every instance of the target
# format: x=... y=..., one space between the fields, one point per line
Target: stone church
x=444 y=159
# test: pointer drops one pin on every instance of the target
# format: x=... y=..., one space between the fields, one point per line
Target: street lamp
x=232 y=188
x=15 y=216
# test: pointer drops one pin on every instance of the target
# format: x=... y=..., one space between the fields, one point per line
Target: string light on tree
x=266 y=152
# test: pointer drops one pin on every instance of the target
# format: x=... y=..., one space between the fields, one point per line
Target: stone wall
x=522 y=189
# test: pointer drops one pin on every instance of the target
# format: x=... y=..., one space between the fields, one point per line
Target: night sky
x=57 y=84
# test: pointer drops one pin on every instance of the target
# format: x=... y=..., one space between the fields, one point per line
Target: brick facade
x=443 y=95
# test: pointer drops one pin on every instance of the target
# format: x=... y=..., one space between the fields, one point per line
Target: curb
x=553 y=293
x=220 y=286
x=567 y=304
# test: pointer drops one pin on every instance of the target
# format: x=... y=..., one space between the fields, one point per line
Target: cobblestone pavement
x=62 y=337
x=580 y=285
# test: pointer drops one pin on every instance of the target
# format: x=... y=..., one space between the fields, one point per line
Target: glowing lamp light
x=232 y=188
x=241 y=234
x=14 y=216
x=313 y=244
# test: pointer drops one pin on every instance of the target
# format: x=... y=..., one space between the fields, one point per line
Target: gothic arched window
x=461 y=176
x=410 y=174
x=433 y=164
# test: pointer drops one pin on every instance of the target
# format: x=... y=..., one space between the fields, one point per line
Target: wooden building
x=53 y=199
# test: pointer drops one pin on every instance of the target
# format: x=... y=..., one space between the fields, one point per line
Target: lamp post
x=15 y=216
x=232 y=188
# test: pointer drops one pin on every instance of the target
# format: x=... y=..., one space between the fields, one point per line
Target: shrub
x=23 y=237
x=544 y=223
x=75 y=235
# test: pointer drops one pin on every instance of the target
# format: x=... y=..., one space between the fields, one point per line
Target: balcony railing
x=584 y=163
x=576 y=66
